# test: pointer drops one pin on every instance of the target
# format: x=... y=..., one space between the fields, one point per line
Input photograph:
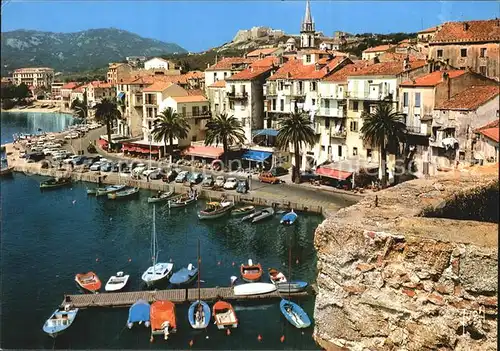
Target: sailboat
x=292 y=311
x=199 y=311
x=159 y=270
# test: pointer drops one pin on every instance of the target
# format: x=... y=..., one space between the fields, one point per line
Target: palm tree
x=296 y=129
x=225 y=130
x=169 y=125
x=385 y=129
x=107 y=112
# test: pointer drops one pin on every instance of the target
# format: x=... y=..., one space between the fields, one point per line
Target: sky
x=200 y=25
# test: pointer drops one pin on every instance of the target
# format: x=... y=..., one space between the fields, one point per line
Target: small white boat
x=116 y=282
x=254 y=289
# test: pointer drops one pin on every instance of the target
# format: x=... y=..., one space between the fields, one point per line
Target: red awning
x=102 y=142
x=154 y=151
x=204 y=151
x=333 y=173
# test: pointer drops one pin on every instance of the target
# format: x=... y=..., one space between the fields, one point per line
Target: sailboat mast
x=289 y=266
x=199 y=270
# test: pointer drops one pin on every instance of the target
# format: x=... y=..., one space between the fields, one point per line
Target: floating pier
x=125 y=299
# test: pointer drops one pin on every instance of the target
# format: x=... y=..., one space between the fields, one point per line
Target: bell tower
x=307 y=30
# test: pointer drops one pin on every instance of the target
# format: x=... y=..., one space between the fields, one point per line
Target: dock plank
x=125 y=299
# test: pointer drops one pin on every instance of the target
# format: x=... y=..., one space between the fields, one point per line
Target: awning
x=333 y=173
x=269 y=132
x=121 y=95
x=253 y=155
x=204 y=151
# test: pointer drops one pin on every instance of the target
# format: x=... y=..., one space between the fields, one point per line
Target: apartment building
x=98 y=90
x=55 y=90
x=485 y=142
x=375 y=51
x=34 y=77
x=118 y=71
x=225 y=68
x=218 y=98
x=470 y=44
x=66 y=91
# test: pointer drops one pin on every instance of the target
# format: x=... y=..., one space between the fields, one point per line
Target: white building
x=159 y=63
x=35 y=77
x=225 y=68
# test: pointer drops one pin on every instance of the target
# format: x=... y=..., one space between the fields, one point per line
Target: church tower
x=307 y=30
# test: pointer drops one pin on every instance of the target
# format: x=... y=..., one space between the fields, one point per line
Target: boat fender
x=228 y=332
x=250 y=262
x=190 y=267
x=130 y=325
x=147 y=324
x=191 y=342
x=259 y=338
x=282 y=339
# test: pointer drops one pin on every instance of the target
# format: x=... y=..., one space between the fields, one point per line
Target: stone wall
x=390 y=279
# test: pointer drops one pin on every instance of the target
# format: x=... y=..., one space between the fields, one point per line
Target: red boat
x=224 y=315
x=162 y=317
x=251 y=272
x=88 y=281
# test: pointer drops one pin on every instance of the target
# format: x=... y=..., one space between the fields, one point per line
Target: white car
x=181 y=177
x=49 y=151
x=150 y=171
x=96 y=166
x=219 y=181
x=58 y=157
x=231 y=183
x=70 y=159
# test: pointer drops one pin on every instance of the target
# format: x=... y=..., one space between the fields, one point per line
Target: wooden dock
x=125 y=299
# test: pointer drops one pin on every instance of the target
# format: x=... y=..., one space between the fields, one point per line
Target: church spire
x=307 y=17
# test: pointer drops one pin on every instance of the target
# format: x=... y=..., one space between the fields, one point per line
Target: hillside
x=75 y=52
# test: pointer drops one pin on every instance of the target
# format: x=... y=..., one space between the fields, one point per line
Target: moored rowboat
x=243 y=211
x=116 y=282
x=109 y=189
x=251 y=272
x=224 y=315
x=162 y=316
x=124 y=194
x=160 y=197
x=253 y=289
x=60 y=320
x=181 y=201
x=294 y=314
x=216 y=209
x=55 y=183
x=139 y=313
x=88 y=281
x=265 y=213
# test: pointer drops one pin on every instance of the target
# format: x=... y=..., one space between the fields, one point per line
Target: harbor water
x=48 y=237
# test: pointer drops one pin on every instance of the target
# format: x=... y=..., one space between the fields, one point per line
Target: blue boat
x=184 y=276
x=292 y=287
x=60 y=320
x=294 y=314
x=289 y=218
x=199 y=314
x=139 y=313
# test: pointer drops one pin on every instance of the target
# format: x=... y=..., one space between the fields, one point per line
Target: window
x=308 y=58
x=196 y=121
x=193 y=138
x=274 y=105
x=280 y=86
x=195 y=110
x=313 y=86
x=225 y=74
x=282 y=105
x=340 y=150
x=440 y=53
x=323 y=148
x=417 y=99
x=355 y=151
x=482 y=70
x=354 y=126
x=313 y=102
x=327 y=103
x=482 y=52
x=327 y=122
x=462 y=67
x=463 y=52
x=405 y=99
x=215 y=76
x=231 y=105
x=355 y=106
x=368 y=153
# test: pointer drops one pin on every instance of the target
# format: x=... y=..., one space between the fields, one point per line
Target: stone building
x=470 y=44
x=485 y=142
x=35 y=77
x=117 y=71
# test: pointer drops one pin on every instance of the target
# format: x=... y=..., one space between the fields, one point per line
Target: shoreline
x=37 y=110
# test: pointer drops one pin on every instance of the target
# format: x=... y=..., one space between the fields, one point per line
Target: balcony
x=418 y=130
x=237 y=96
x=332 y=112
x=337 y=134
x=200 y=114
x=297 y=92
x=270 y=90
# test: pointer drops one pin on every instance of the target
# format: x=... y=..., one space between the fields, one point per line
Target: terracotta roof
x=70 y=85
x=249 y=73
x=194 y=91
x=226 y=64
x=218 y=84
x=78 y=90
x=100 y=84
x=266 y=62
x=317 y=51
x=468 y=31
x=157 y=87
x=195 y=75
x=379 y=48
x=190 y=98
x=493 y=124
x=295 y=69
x=258 y=52
x=341 y=75
x=491 y=133
x=390 y=68
x=392 y=56
x=431 y=79
x=428 y=30
x=470 y=99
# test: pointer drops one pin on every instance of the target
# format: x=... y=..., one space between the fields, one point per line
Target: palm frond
x=224 y=129
x=296 y=128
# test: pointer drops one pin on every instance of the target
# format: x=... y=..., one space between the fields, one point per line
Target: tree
x=296 y=129
x=225 y=130
x=80 y=107
x=22 y=92
x=170 y=125
x=384 y=128
x=106 y=112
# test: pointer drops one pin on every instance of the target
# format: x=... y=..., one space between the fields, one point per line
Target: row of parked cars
x=79 y=130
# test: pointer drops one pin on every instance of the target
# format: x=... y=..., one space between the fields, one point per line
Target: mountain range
x=79 y=51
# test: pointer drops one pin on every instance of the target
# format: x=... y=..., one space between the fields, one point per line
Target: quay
x=125 y=299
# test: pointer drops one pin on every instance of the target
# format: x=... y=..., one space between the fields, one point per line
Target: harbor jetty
x=125 y=299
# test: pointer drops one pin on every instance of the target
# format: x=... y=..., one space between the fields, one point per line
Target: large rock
x=391 y=279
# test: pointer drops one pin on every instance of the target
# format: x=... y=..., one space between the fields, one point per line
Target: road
x=288 y=191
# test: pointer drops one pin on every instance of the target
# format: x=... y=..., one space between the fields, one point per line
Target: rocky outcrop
x=391 y=279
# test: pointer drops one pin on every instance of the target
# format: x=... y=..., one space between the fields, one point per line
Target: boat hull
x=58 y=328
x=293 y=286
x=215 y=214
x=224 y=315
x=184 y=277
x=151 y=281
x=181 y=204
x=253 y=289
x=45 y=186
x=203 y=323
x=108 y=190
x=124 y=194
x=266 y=213
x=88 y=282
x=161 y=312
x=297 y=317
x=289 y=218
x=251 y=273
x=243 y=211
x=162 y=198
x=116 y=286
x=139 y=312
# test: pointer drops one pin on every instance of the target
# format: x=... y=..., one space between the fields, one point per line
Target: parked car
x=171 y=175
x=195 y=178
x=71 y=159
x=79 y=160
x=308 y=176
x=150 y=171
x=230 y=183
x=182 y=177
x=242 y=186
x=158 y=174
x=96 y=166
x=115 y=167
x=138 y=169
x=278 y=171
x=35 y=156
x=219 y=181
x=105 y=167
x=208 y=181
x=267 y=177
